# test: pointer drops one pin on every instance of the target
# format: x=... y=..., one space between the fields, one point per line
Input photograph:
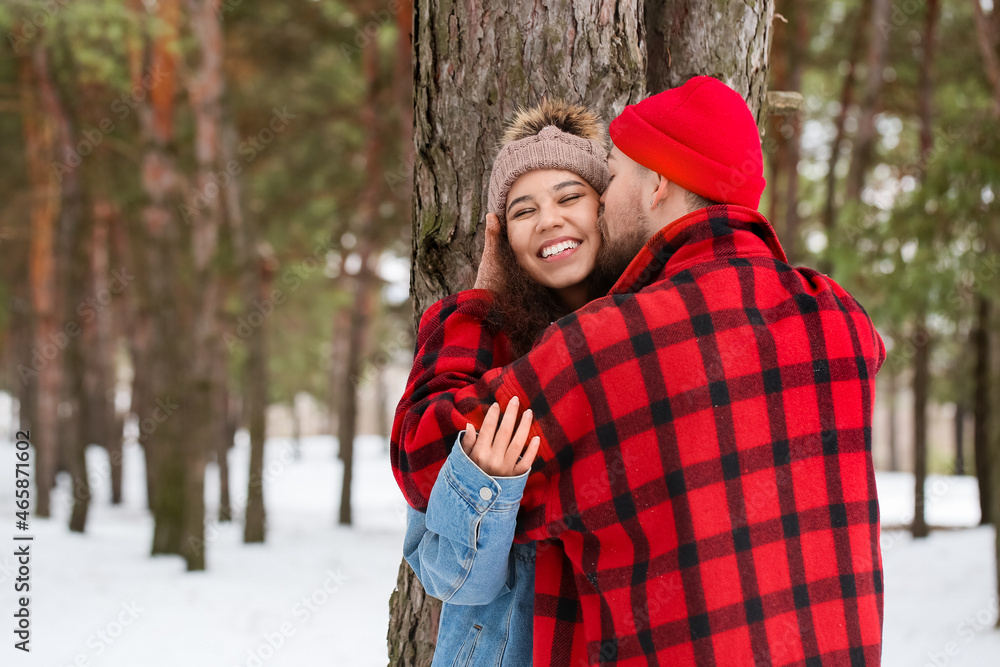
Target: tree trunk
x=893 y=389
x=927 y=85
x=864 y=140
x=296 y=428
x=44 y=366
x=787 y=62
x=777 y=126
x=255 y=521
x=921 y=382
x=360 y=314
x=686 y=38
x=987 y=36
x=959 y=468
x=981 y=417
x=122 y=328
x=100 y=388
x=231 y=422
x=995 y=450
x=82 y=422
x=204 y=432
x=846 y=100
x=413 y=622
x=176 y=302
x=474 y=66
x=797 y=55
x=255 y=280
x=358 y=320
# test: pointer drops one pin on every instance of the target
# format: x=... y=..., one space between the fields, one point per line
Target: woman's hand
x=488 y=275
x=500 y=451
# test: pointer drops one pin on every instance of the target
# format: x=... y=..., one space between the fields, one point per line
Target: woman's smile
x=559 y=248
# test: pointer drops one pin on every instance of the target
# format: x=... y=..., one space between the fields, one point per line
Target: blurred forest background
x=207 y=213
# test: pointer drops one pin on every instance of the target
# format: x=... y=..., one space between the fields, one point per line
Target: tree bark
x=921 y=382
x=730 y=41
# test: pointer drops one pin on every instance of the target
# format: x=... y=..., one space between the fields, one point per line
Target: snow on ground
x=314 y=594
x=317 y=593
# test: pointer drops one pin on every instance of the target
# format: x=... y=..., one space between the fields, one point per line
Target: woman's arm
x=460 y=549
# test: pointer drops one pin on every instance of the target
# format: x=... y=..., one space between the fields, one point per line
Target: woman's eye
x=569 y=198
x=522 y=212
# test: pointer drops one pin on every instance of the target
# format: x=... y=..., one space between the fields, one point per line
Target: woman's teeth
x=559 y=247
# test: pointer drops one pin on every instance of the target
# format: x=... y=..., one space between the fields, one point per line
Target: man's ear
x=663 y=187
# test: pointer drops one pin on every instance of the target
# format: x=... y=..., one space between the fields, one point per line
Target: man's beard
x=617 y=252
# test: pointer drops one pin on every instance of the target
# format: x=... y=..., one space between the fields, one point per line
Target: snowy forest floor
x=316 y=594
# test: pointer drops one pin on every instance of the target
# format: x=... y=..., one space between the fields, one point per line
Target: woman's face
x=552 y=226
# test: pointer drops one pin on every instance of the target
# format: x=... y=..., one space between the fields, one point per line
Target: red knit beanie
x=701 y=136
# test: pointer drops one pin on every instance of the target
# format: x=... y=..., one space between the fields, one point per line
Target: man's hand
x=488 y=276
x=497 y=450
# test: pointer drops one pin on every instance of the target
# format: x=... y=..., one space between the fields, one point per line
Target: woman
x=544 y=199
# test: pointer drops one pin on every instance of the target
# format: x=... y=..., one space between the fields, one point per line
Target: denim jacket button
x=485 y=493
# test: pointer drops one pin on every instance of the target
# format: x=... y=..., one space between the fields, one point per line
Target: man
x=705 y=458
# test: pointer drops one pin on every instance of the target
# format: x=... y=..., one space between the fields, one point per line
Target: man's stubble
x=621 y=240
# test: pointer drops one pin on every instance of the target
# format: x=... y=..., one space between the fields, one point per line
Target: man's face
x=625 y=223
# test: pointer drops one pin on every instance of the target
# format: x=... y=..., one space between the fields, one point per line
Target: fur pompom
x=570 y=118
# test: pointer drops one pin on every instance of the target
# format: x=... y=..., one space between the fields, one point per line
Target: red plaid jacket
x=706 y=453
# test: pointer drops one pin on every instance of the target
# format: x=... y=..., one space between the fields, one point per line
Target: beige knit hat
x=550 y=148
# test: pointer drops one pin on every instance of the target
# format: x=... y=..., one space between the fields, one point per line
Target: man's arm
x=558 y=380
x=456 y=346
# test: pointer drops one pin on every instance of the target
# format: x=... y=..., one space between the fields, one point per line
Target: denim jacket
x=462 y=552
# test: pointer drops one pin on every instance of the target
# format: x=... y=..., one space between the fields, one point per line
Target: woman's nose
x=548 y=218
